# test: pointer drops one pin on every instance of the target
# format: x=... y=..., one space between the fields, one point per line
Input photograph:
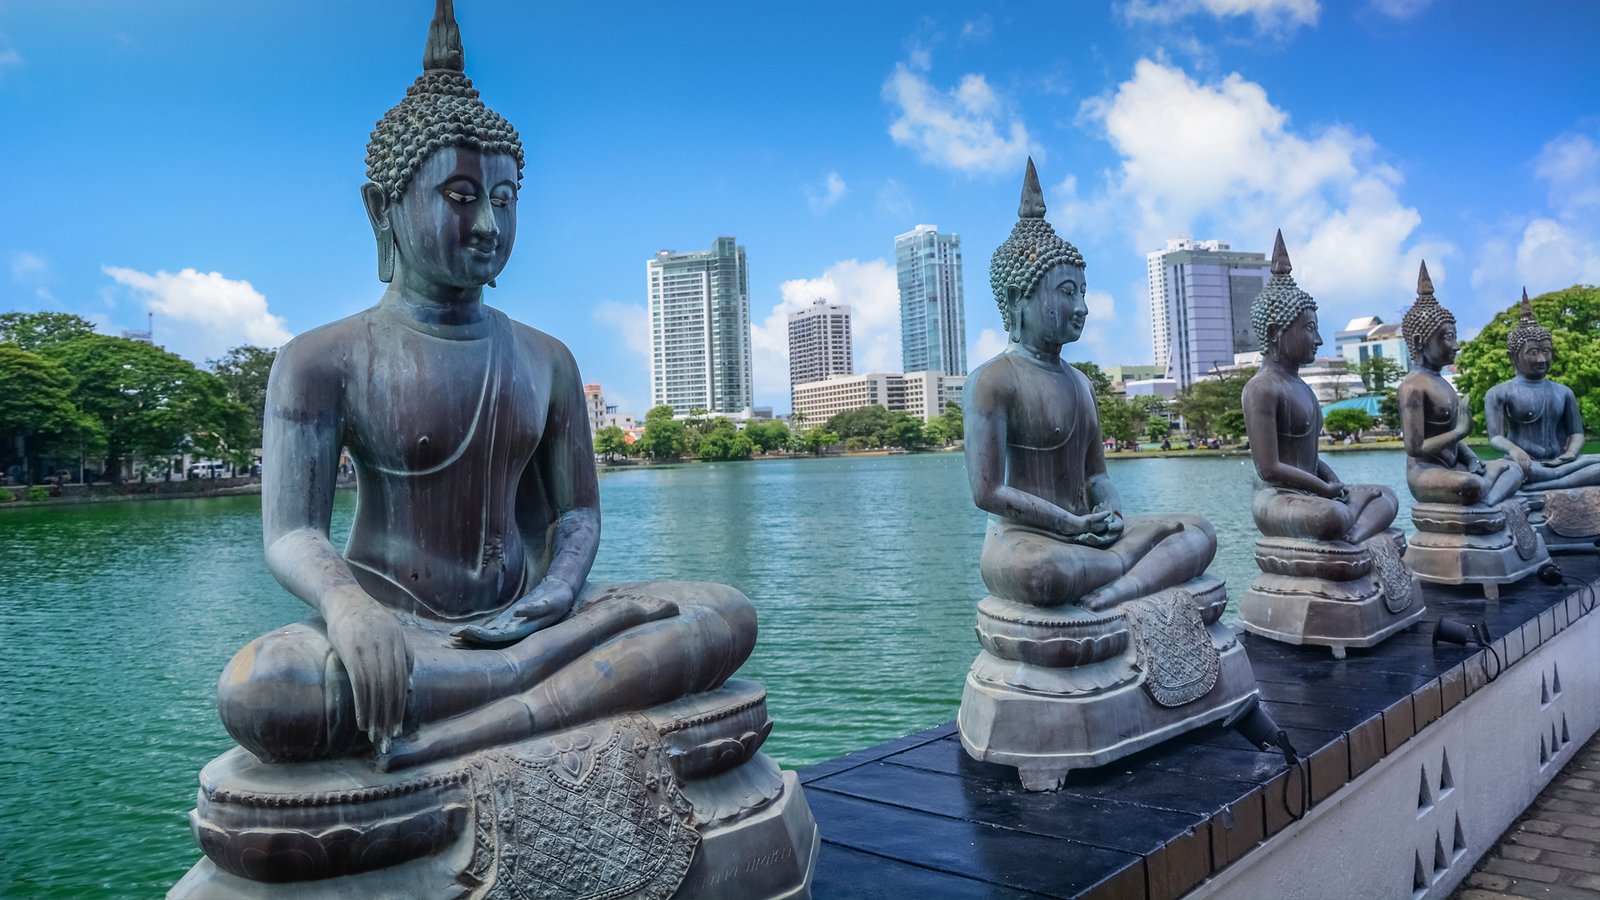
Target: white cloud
x=630 y=321
x=1220 y=160
x=1269 y=15
x=1400 y=9
x=200 y=315
x=9 y=57
x=978 y=30
x=1552 y=250
x=874 y=297
x=989 y=344
x=1571 y=165
x=28 y=267
x=968 y=128
x=823 y=197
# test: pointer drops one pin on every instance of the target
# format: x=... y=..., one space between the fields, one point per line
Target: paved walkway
x=1554 y=849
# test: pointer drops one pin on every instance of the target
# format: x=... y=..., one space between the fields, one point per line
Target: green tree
x=1203 y=403
x=1099 y=381
x=244 y=371
x=818 y=440
x=1389 y=410
x=870 y=423
x=768 y=436
x=1573 y=317
x=905 y=431
x=724 y=441
x=37 y=415
x=664 y=437
x=610 y=442
x=954 y=423
x=31 y=331
x=1158 y=429
x=1341 y=422
x=1379 y=373
x=149 y=402
x=1230 y=424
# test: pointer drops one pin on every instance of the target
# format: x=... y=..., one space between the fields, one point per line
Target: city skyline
x=220 y=191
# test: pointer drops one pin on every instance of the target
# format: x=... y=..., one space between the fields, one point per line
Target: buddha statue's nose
x=483 y=223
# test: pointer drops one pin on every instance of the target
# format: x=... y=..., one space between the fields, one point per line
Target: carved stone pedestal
x=1568 y=521
x=1484 y=545
x=1331 y=593
x=1057 y=689
x=676 y=801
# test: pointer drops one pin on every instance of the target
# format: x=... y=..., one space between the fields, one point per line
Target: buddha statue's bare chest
x=448 y=409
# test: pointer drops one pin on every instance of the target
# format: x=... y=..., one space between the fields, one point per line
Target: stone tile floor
x=1553 y=850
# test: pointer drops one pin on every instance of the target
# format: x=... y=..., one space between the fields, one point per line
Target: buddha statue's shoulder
x=992 y=383
x=323 y=351
x=541 y=348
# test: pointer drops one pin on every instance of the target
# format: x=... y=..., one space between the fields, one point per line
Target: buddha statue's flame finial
x=1281 y=301
x=1032 y=206
x=1280 y=256
x=444 y=49
x=1424 y=283
x=1528 y=329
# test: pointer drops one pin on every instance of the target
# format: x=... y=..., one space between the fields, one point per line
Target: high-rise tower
x=1200 y=294
x=933 y=323
x=819 y=343
x=700 y=329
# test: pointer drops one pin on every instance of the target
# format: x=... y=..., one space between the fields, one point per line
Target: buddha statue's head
x=1283 y=317
x=1037 y=277
x=1429 y=329
x=1529 y=344
x=444 y=172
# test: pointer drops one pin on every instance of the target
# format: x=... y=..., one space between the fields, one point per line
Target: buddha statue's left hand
x=1106 y=532
x=545 y=605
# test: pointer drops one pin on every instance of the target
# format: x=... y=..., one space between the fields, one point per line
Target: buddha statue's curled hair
x=441 y=109
x=1280 y=302
x=1528 y=329
x=1425 y=317
x=1032 y=248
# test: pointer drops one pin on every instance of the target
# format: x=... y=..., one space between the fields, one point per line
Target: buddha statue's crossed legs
x=1153 y=553
x=1433 y=483
x=286 y=697
x=1366 y=511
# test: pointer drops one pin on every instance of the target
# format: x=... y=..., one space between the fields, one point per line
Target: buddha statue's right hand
x=1074 y=525
x=372 y=646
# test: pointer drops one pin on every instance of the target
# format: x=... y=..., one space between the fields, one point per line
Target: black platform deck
x=916 y=817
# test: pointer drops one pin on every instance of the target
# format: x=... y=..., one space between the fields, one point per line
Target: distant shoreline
x=130 y=491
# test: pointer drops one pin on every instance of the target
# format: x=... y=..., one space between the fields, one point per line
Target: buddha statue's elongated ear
x=1014 y=298
x=377 y=204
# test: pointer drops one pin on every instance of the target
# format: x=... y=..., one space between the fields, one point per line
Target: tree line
x=69 y=395
x=717 y=438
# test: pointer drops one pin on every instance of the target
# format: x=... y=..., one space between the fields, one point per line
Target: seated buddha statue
x=459 y=618
x=1324 y=541
x=1537 y=423
x=1467 y=532
x=1070 y=574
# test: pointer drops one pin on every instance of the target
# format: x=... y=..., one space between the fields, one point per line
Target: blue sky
x=202 y=160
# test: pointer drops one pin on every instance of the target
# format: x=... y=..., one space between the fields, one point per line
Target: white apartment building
x=1200 y=295
x=1369 y=336
x=933 y=323
x=819 y=343
x=923 y=394
x=700 y=329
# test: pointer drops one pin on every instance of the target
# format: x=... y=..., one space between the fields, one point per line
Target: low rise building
x=922 y=394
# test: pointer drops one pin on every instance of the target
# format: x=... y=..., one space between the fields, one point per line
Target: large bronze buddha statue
x=1536 y=422
x=1101 y=633
x=1331 y=573
x=467 y=708
x=1470 y=529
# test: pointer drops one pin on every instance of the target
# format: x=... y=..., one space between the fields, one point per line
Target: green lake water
x=116 y=619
